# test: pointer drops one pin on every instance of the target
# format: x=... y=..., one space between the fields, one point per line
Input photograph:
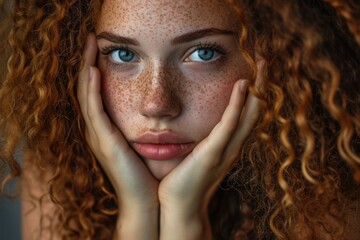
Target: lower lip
x=162 y=151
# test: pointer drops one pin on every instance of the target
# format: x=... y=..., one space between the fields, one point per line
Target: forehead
x=165 y=15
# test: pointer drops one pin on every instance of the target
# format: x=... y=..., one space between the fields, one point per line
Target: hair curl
x=294 y=168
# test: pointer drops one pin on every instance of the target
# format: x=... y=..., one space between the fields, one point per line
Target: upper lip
x=163 y=137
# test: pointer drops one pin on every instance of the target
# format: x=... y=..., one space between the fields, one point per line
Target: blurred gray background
x=10 y=209
x=10 y=222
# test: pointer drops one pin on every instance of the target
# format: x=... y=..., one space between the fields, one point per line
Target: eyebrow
x=191 y=36
x=187 y=37
x=117 y=38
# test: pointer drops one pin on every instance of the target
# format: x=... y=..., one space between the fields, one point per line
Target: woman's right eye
x=123 y=56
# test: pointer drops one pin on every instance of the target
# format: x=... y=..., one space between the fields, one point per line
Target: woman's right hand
x=134 y=185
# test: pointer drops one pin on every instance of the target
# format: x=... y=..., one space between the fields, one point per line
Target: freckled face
x=167 y=68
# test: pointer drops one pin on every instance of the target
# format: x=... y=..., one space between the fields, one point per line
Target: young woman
x=203 y=119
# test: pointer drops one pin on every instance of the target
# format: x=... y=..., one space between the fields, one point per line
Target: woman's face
x=167 y=68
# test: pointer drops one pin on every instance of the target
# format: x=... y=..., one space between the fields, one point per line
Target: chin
x=160 y=169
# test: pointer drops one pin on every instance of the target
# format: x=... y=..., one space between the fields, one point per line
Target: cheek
x=117 y=99
x=208 y=103
x=210 y=92
x=204 y=96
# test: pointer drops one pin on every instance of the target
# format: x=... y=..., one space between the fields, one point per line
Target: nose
x=160 y=98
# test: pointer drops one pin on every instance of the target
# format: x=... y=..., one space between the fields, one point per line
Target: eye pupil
x=125 y=55
x=206 y=54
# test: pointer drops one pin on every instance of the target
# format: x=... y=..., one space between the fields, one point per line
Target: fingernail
x=244 y=86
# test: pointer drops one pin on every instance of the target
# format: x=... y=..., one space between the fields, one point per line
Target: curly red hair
x=299 y=168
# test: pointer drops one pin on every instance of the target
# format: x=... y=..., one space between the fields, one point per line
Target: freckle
x=172 y=18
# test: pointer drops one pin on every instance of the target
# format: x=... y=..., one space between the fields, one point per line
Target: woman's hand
x=136 y=188
x=185 y=193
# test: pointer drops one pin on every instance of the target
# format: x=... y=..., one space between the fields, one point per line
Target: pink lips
x=162 y=145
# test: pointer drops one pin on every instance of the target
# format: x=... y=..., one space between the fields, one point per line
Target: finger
x=249 y=115
x=108 y=144
x=209 y=152
x=98 y=119
x=90 y=50
x=224 y=130
x=246 y=123
x=205 y=164
x=89 y=58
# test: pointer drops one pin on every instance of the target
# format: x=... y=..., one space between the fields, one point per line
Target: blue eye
x=123 y=55
x=203 y=55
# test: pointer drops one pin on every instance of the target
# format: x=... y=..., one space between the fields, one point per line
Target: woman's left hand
x=185 y=193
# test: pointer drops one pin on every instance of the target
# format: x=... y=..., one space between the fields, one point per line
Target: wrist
x=137 y=223
x=183 y=223
x=130 y=206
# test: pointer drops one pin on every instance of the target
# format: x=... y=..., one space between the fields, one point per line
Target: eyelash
x=109 y=49
x=207 y=45
x=211 y=46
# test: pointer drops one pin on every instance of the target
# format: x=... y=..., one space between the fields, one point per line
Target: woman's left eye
x=203 y=55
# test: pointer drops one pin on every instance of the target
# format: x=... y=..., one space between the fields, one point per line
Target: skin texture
x=311 y=97
x=182 y=197
x=165 y=89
